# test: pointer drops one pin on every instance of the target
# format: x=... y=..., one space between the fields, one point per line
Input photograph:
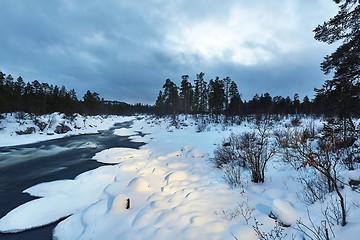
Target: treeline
x=42 y=98
x=221 y=96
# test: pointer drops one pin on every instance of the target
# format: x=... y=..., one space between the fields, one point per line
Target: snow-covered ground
x=168 y=189
x=13 y=126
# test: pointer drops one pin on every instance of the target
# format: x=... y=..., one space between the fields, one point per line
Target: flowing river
x=27 y=165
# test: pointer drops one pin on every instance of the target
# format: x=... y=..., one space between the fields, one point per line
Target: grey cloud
x=117 y=48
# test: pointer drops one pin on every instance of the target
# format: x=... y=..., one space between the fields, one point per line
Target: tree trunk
x=343 y=207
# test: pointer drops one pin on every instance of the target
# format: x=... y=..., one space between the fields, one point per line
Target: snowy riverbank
x=17 y=129
x=173 y=192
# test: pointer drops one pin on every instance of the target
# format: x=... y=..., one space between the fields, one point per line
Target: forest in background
x=42 y=98
x=222 y=97
x=215 y=96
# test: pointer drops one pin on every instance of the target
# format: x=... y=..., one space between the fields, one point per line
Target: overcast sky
x=126 y=49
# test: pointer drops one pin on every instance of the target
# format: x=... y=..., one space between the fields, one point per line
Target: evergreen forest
x=222 y=97
x=42 y=98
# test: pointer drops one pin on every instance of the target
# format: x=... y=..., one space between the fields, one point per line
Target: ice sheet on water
x=125 y=132
x=58 y=199
x=117 y=155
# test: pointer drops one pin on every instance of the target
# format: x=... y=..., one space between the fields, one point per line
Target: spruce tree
x=344 y=87
x=216 y=96
x=186 y=94
x=171 y=97
x=234 y=100
x=160 y=104
x=200 y=94
x=227 y=83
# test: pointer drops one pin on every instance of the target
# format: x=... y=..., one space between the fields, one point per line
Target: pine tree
x=2 y=92
x=186 y=94
x=200 y=94
x=160 y=104
x=227 y=83
x=19 y=89
x=306 y=105
x=296 y=104
x=343 y=89
x=216 y=96
x=265 y=103
x=91 y=102
x=171 y=97
x=234 y=100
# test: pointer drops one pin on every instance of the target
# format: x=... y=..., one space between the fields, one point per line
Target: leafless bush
x=248 y=149
x=315 y=232
x=232 y=174
x=332 y=211
x=295 y=122
x=277 y=233
x=228 y=152
x=254 y=150
x=20 y=116
x=242 y=209
x=201 y=123
x=343 y=134
x=319 y=154
x=284 y=140
x=245 y=210
x=310 y=130
x=314 y=186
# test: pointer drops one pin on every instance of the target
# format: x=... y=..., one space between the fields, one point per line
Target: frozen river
x=27 y=165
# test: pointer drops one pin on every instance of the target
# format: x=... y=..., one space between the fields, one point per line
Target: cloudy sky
x=126 y=49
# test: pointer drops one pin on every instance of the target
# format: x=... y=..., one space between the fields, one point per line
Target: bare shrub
x=295 y=122
x=284 y=140
x=277 y=233
x=228 y=152
x=314 y=186
x=254 y=151
x=343 y=135
x=232 y=174
x=242 y=209
x=202 y=123
x=248 y=149
x=315 y=232
x=332 y=211
x=20 y=116
x=319 y=154
x=245 y=210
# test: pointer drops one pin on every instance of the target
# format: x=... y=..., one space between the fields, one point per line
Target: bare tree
x=248 y=150
x=319 y=154
x=254 y=151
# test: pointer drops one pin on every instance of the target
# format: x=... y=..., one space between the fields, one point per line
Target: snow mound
x=139 y=184
x=119 y=204
x=244 y=232
x=186 y=148
x=118 y=155
x=174 y=154
x=284 y=212
x=124 y=132
x=176 y=176
x=36 y=213
x=52 y=188
x=59 y=199
x=197 y=153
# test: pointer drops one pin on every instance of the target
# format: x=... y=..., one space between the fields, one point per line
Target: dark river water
x=27 y=165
